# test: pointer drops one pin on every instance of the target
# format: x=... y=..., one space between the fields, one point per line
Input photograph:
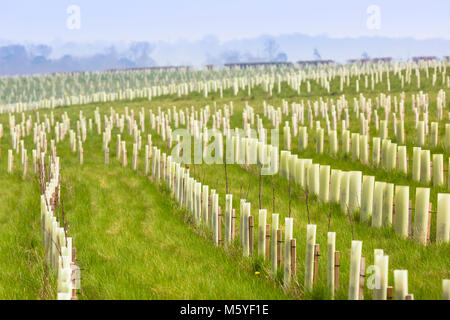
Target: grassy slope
x=136 y=235
x=134 y=244
x=22 y=265
x=427 y=265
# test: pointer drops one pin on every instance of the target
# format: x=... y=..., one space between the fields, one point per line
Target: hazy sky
x=113 y=20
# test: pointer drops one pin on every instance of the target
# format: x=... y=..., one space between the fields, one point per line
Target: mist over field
x=59 y=56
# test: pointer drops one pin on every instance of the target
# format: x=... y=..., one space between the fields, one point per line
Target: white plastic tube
x=364 y=150
x=401 y=132
x=298 y=171
x=355 y=146
x=401 y=284
x=421 y=215
x=367 y=198
x=274 y=240
x=228 y=217
x=319 y=145
x=446 y=289
x=314 y=179
x=420 y=133
x=335 y=185
x=443 y=218
x=307 y=163
x=416 y=163
x=287 y=249
x=205 y=205
x=346 y=142
x=262 y=232
x=376 y=152
x=425 y=166
x=355 y=266
x=402 y=160
x=447 y=137
x=324 y=184
x=354 y=198
x=392 y=157
x=438 y=170
x=292 y=160
x=401 y=218
x=377 y=212
x=309 y=260
x=344 y=190
x=302 y=138
x=284 y=168
x=384 y=151
x=333 y=142
x=381 y=277
x=434 y=134
x=388 y=201
x=216 y=219
x=331 y=249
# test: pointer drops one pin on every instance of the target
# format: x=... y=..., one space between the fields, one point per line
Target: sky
x=170 y=20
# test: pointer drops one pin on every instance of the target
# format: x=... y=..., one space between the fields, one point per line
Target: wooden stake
x=220 y=225
x=267 y=241
x=279 y=241
x=106 y=156
x=74 y=274
x=390 y=291
x=361 y=278
x=250 y=234
x=429 y=224
x=316 y=262
x=293 y=257
x=337 y=264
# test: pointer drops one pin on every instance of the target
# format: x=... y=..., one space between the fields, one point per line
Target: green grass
x=134 y=243
x=22 y=265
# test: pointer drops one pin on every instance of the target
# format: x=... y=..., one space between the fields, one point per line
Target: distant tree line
x=20 y=59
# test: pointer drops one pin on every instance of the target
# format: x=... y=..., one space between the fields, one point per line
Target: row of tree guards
x=59 y=251
x=425 y=167
x=189 y=194
x=378 y=199
x=383 y=203
x=203 y=206
x=363 y=111
x=50 y=91
x=60 y=255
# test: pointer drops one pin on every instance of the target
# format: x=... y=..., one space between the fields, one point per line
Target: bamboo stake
x=250 y=227
x=316 y=262
x=220 y=225
x=361 y=278
x=336 y=269
x=293 y=257
x=279 y=241
x=390 y=291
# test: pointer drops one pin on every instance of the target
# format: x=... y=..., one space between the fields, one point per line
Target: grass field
x=134 y=243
